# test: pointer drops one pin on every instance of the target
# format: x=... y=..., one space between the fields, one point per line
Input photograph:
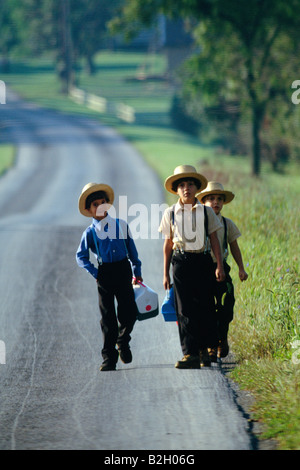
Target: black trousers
x=115 y=283
x=224 y=303
x=193 y=278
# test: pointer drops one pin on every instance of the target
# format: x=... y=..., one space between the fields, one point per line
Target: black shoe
x=125 y=355
x=107 y=365
x=188 y=361
x=212 y=352
x=204 y=358
x=223 y=348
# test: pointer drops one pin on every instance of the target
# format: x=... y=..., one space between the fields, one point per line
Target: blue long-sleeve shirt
x=114 y=244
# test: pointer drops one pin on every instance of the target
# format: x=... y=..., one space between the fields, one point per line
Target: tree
x=215 y=88
x=9 y=37
x=72 y=29
x=89 y=27
x=48 y=27
x=259 y=38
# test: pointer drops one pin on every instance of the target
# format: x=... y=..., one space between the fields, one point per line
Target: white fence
x=2 y=92
x=102 y=105
x=2 y=353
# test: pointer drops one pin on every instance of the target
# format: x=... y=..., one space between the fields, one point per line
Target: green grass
x=266 y=325
x=7 y=157
x=275 y=385
x=266 y=209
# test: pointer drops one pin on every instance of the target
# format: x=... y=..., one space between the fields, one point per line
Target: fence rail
x=102 y=105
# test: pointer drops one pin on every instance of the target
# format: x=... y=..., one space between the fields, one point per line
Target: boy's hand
x=243 y=275
x=167 y=282
x=220 y=274
x=137 y=279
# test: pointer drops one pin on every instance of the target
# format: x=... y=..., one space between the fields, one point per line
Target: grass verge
x=7 y=157
x=265 y=329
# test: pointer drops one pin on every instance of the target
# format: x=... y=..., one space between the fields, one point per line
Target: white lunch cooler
x=146 y=300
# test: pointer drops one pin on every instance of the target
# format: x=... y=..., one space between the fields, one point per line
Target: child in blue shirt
x=109 y=239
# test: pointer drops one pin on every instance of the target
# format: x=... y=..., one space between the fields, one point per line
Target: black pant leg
x=225 y=300
x=193 y=277
x=108 y=322
x=127 y=309
x=115 y=282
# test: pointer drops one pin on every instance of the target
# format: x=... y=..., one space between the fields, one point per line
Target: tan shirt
x=232 y=234
x=188 y=230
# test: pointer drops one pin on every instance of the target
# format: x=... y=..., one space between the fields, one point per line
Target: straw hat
x=213 y=187
x=93 y=188
x=185 y=171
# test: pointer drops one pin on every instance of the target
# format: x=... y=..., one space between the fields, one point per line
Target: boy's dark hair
x=94 y=196
x=177 y=182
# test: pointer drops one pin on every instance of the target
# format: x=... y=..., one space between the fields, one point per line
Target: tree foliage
x=10 y=35
x=248 y=51
x=71 y=29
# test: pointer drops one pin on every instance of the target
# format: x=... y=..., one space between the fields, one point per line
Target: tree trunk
x=91 y=68
x=256 y=149
x=258 y=111
x=67 y=76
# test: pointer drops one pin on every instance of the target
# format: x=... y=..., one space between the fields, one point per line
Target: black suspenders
x=225 y=238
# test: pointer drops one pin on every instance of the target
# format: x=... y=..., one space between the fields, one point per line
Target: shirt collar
x=180 y=207
x=100 y=224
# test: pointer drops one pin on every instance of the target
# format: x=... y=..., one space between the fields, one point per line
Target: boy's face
x=98 y=208
x=187 y=190
x=215 y=201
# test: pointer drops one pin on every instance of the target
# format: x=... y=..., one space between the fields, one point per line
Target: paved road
x=52 y=393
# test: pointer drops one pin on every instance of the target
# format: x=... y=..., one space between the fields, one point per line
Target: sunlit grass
x=275 y=386
x=266 y=325
x=7 y=157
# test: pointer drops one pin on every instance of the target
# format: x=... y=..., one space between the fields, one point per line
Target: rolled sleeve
x=165 y=224
x=214 y=223
x=232 y=231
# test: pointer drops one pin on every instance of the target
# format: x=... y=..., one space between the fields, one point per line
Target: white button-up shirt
x=188 y=230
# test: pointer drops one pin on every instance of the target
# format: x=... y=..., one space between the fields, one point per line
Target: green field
x=266 y=328
x=7 y=157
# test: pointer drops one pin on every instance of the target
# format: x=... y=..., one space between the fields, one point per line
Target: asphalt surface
x=52 y=395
